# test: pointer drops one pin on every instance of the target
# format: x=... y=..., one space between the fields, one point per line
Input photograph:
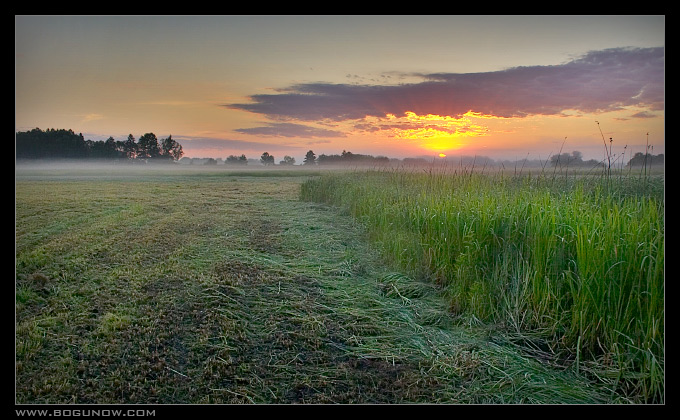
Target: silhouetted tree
x=130 y=147
x=50 y=143
x=641 y=159
x=171 y=149
x=103 y=149
x=236 y=160
x=267 y=159
x=566 y=159
x=287 y=160
x=148 y=148
x=67 y=144
x=349 y=158
x=310 y=158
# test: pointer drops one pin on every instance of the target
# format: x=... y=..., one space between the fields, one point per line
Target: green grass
x=211 y=287
x=577 y=262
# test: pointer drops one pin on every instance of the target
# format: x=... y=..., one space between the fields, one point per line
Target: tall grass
x=577 y=260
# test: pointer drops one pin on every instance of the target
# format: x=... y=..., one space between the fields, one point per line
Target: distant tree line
x=267 y=159
x=574 y=158
x=65 y=144
x=349 y=158
x=234 y=160
x=646 y=159
x=346 y=158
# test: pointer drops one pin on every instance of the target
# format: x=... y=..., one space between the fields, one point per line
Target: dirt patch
x=235 y=273
x=263 y=235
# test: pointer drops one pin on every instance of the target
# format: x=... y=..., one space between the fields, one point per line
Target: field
x=573 y=264
x=209 y=286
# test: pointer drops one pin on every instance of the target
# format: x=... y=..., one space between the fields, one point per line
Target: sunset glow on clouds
x=599 y=81
x=444 y=111
x=265 y=94
x=436 y=132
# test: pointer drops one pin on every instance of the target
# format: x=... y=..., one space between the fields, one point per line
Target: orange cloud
x=436 y=132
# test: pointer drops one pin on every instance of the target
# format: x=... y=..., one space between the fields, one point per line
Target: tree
x=267 y=159
x=642 y=159
x=171 y=149
x=236 y=160
x=61 y=143
x=51 y=143
x=130 y=147
x=287 y=160
x=147 y=148
x=310 y=158
x=566 y=159
x=103 y=149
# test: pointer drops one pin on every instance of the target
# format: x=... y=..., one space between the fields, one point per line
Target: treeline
x=267 y=159
x=65 y=144
x=646 y=159
x=349 y=158
x=575 y=158
x=345 y=158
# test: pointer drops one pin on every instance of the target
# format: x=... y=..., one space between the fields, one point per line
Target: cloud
x=599 y=81
x=91 y=117
x=643 y=115
x=291 y=130
x=171 y=103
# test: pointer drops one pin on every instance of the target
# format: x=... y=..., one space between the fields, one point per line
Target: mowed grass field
x=209 y=286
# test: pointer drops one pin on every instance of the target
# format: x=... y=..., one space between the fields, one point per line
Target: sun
x=442 y=155
x=436 y=132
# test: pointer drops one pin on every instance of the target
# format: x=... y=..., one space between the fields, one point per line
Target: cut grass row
x=576 y=261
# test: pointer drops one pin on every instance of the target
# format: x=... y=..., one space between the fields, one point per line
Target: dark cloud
x=643 y=115
x=290 y=130
x=313 y=102
x=598 y=81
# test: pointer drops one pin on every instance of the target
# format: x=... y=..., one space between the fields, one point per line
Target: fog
x=82 y=169
x=132 y=169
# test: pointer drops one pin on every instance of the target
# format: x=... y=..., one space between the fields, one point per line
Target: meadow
x=570 y=265
x=210 y=286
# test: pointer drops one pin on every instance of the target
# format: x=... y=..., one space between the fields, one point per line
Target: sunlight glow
x=437 y=132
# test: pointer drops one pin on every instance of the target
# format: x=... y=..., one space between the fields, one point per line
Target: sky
x=506 y=87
